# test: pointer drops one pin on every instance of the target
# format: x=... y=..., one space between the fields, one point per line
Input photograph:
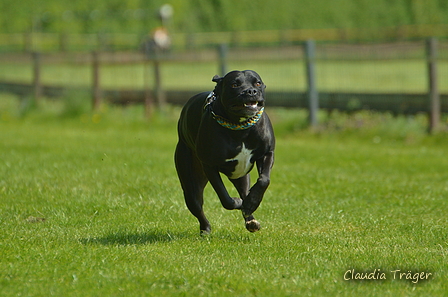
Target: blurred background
x=350 y=54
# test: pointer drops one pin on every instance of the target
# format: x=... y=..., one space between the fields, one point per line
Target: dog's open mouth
x=248 y=105
x=251 y=104
x=247 y=108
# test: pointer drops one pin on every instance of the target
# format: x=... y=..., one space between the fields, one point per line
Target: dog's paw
x=253 y=225
x=205 y=229
x=205 y=232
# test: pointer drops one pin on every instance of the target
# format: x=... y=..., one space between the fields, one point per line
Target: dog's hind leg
x=193 y=181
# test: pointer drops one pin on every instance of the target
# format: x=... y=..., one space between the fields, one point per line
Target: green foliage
x=26 y=105
x=91 y=206
x=218 y=15
x=76 y=103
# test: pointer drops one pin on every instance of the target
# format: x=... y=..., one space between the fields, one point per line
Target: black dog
x=226 y=131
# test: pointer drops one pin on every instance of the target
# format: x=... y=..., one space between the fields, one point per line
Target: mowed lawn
x=91 y=206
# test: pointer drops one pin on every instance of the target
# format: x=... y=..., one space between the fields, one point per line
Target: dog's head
x=241 y=93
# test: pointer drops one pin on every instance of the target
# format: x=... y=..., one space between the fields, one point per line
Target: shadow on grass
x=121 y=238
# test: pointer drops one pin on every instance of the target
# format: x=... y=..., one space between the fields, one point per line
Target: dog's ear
x=217 y=78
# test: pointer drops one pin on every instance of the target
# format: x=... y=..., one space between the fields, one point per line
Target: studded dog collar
x=229 y=124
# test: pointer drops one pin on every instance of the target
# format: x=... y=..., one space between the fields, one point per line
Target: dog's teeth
x=252 y=104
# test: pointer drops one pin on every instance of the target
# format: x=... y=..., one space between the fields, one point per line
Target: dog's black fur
x=206 y=148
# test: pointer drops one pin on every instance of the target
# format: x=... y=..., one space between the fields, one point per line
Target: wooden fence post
x=160 y=95
x=37 y=82
x=148 y=96
x=96 y=87
x=313 y=96
x=433 y=89
x=223 y=49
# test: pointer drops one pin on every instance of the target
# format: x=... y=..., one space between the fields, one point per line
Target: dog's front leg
x=253 y=200
x=216 y=181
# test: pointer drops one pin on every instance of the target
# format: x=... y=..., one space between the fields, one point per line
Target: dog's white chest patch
x=243 y=164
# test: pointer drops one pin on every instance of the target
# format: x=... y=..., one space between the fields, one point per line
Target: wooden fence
x=431 y=101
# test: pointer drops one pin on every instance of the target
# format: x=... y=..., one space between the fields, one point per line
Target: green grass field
x=90 y=205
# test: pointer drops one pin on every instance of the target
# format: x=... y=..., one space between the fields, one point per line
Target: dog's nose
x=250 y=92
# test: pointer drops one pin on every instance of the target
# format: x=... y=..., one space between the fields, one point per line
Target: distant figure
x=158 y=41
x=162 y=39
